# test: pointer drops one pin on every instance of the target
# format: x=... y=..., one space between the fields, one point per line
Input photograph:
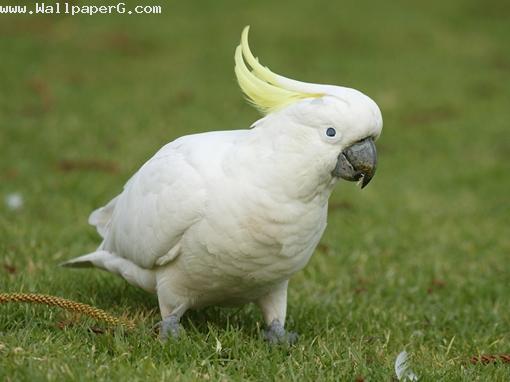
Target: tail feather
x=132 y=273
x=94 y=259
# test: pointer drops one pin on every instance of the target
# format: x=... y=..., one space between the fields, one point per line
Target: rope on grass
x=490 y=358
x=71 y=306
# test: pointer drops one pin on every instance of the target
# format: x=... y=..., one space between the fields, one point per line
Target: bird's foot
x=276 y=334
x=170 y=327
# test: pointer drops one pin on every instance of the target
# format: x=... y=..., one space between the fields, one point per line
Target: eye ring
x=330 y=132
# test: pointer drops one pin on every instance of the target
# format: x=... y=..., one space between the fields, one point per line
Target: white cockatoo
x=227 y=217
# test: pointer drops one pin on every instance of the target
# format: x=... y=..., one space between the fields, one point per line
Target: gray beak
x=357 y=162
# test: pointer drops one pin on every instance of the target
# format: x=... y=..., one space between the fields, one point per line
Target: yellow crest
x=264 y=89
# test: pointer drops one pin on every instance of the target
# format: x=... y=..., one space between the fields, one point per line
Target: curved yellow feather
x=262 y=71
x=260 y=85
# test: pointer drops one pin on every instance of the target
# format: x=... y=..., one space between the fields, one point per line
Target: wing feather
x=167 y=196
x=162 y=200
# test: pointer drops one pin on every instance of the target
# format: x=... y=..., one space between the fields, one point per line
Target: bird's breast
x=245 y=244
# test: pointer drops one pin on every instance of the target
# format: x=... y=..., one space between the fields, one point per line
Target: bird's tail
x=94 y=259
x=132 y=273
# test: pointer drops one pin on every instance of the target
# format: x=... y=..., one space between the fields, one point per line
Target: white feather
x=402 y=368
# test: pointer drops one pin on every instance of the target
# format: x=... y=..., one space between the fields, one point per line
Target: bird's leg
x=170 y=325
x=274 y=310
x=276 y=334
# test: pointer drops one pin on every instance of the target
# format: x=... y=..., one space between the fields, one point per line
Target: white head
x=338 y=122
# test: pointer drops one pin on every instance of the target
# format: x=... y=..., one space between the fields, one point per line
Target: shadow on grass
x=223 y=318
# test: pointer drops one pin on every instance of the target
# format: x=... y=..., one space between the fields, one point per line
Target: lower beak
x=357 y=161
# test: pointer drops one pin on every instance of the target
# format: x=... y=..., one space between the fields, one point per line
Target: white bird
x=228 y=217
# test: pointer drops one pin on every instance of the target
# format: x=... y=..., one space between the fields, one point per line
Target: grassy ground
x=417 y=261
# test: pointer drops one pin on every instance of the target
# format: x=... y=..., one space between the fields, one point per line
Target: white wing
x=146 y=222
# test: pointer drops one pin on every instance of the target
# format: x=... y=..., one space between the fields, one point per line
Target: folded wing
x=146 y=222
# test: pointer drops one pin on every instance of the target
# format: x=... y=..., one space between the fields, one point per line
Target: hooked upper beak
x=357 y=161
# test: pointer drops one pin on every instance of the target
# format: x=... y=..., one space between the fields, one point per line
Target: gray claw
x=276 y=334
x=170 y=326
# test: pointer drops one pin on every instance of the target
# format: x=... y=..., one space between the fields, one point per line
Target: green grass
x=417 y=261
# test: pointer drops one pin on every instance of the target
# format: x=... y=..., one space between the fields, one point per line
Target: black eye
x=330 y=132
